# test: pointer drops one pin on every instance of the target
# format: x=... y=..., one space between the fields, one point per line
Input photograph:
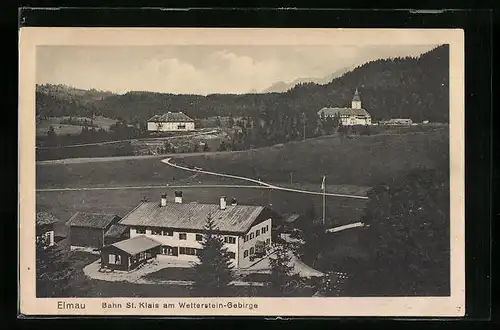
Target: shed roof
x=235 y=218
x=116 y=231
x=136 y=244
x=45 y=218
x=343 y=112
x=91 y=220
x=171 y=117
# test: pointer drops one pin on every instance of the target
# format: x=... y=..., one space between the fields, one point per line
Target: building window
x=182 y=236
x=187 y=251
x=267 y=228
x=169 y=250
x=155 y=231
x=263 y=230
x=257 y=233
x=251 y=235
x=252 y=250
x=268 y=241
x=247 y=237
x=181 y=126
x=168 y=233
x=232 y=255
x=140 y=231
x=230 y=240
x=199 y=237
x=245 y=253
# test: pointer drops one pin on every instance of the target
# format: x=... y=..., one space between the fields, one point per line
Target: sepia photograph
x=209 y=173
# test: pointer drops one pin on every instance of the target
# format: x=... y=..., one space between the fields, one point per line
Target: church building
x=355 y=115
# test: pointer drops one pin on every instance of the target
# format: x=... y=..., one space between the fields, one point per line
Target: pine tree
x=53 y=271
x=281 y=268
x=214 y=272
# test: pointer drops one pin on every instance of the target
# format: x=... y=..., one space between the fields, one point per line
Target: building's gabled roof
x=44 y=218
x=136 y=244
x=171 y=117
x=91 y=220
x=235 y=218
x=116 y=231
x=343 y=112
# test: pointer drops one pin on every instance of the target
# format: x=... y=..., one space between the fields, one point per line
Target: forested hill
x=69 y=93
x=416 y=88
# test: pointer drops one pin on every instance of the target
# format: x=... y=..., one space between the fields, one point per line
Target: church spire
x=356 y=100
x=356 y=95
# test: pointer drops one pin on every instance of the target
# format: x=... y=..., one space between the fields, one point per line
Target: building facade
x=355 y=115
x=87 y=230
x=128 y=254
x=180 y=228
x=171 y=122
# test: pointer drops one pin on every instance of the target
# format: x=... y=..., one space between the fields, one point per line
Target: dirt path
x=268 y=185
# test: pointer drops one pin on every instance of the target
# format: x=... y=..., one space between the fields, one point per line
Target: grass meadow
x=359 y=161
x=63 y=129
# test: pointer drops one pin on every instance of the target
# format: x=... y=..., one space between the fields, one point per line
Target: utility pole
x=323 y=187
x=291 y=178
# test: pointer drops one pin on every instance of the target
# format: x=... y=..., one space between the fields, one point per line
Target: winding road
x=268 y=185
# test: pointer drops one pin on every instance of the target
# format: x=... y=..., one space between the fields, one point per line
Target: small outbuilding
x=116 y=233
x=129 y=254
x=45 y=223
x=87 y=230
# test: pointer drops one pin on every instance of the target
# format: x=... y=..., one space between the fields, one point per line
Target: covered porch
x=129 y=254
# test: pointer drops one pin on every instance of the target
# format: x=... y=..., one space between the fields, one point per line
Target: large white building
x=355 y=115
x=179 y=227
x=171 y=122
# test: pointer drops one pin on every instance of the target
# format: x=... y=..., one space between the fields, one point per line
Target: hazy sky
x=200 y=69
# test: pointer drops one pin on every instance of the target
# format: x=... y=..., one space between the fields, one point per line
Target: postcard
x=241 y=172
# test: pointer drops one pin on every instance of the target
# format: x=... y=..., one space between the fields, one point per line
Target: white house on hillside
x=179 y=228
x=171 y=122
x=355 y=115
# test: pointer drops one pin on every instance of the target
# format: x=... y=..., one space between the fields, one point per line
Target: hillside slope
x=363 y=160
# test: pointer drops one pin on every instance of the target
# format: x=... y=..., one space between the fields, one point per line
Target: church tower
x=356 y=101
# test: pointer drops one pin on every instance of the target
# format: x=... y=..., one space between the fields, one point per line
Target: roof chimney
x=163 y=201
x=223 y=202
x=178 y=197
x=233 y=201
